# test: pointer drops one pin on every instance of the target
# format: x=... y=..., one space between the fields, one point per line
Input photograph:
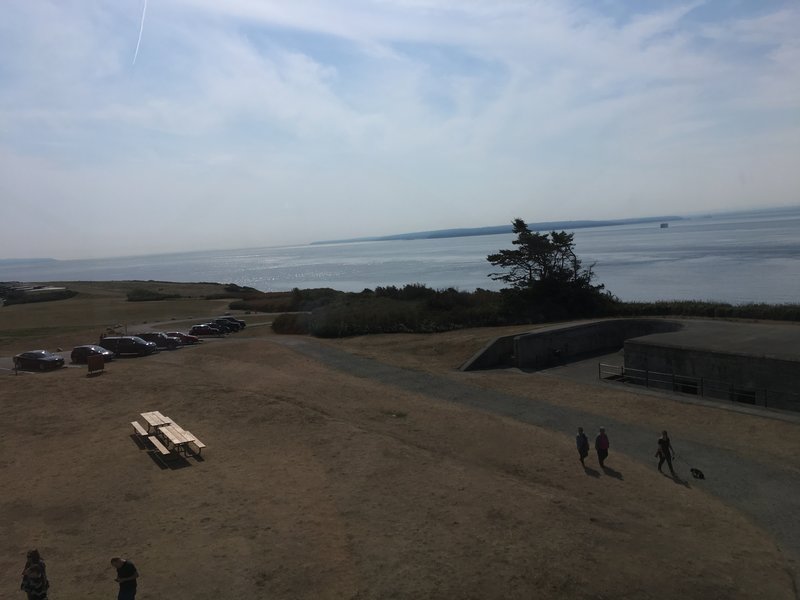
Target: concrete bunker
x=560 y=344
x=751 y=363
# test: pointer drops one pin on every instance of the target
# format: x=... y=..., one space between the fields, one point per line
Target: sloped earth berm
x=768 y=493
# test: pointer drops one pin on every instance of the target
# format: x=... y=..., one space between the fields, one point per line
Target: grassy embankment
x=102 y=307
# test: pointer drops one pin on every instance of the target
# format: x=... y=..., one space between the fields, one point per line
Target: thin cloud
x=393 y=111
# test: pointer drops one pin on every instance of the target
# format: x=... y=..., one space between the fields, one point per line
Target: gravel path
x=768 y=493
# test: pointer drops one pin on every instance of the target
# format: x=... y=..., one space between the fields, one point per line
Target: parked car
x=128 y=345
x=162 y=341
x=205 y=329
x=239 y=322
x=225 y=325
x=80 y=354
x=39 y=360
x=185 y=338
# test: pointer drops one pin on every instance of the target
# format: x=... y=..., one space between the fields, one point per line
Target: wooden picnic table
x=176 y=436
x=155 y=419
x=163 y=429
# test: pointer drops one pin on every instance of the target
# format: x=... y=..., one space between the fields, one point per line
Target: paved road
x=768 y=493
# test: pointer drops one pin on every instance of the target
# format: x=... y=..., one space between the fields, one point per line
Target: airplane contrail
x=141 y=29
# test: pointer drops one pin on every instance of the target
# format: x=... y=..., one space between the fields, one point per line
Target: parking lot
x=7 y=362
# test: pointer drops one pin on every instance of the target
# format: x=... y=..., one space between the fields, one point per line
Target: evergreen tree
x=547 y=278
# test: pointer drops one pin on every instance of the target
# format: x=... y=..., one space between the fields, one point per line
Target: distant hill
x=498 y=229
x=12 y=262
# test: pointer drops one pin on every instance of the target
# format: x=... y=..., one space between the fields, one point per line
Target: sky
x=251 y=123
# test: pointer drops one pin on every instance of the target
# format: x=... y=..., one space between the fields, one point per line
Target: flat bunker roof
x=766 y=340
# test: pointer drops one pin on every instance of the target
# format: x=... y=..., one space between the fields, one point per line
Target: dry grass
x=318 y=484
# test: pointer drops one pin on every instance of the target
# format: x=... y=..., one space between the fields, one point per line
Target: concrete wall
x=497 y=353
x=552 y=347
x=557 y=345
x=773 y=382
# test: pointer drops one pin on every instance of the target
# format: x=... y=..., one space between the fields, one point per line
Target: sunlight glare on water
x=737 y=259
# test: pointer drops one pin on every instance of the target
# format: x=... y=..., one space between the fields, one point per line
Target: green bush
x=420 y=309
x=146 y=295
x=295 y=301
x=718 y=310
x=292 y=323
x=21 y=297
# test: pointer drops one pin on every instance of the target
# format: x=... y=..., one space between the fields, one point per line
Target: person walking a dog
x=582 y=442
x=665 y=453
x=601 y=445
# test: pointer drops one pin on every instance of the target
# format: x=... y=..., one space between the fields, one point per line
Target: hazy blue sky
x=258 y=122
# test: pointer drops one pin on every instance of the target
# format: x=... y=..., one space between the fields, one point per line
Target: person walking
x=582 y=442
x=665 y=453
x=601 y=446
x=34 y=583
x=126 y=577
x=34 y=577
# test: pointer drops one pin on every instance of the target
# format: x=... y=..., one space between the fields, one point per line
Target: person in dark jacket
x=601 y=445
x=126 y=577
x=34 y=583
x=582 y=442
x=665 y=453
x=34 y=580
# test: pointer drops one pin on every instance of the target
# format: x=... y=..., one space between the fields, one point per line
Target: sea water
x=736 y=258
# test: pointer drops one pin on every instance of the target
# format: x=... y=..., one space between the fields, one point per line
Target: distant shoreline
x=499 y=229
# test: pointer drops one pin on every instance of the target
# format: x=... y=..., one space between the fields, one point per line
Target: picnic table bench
x=142 y=433
x=165 y=435
x=180 y=438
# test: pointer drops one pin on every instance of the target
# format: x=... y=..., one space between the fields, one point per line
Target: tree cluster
x=547 y=279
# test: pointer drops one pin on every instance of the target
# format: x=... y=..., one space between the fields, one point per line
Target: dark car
x=239 y=322
x=39 y=360
x=128 y=345
x=225 y=325
x=80 y=354
x=205 y=329
x=161 y=340
x=185 y=338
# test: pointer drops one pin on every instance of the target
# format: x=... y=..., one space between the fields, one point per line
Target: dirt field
x=320 y=484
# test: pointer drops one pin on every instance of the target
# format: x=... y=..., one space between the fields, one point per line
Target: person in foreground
x=601 y=446
x=34 y=583
x=665 y=453
x=34 y=577
x=126 y=577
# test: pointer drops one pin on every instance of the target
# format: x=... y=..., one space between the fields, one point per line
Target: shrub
x=416 y=308
x=21 y=297
x=294 y=301
x=146 y=295
x=293 y=323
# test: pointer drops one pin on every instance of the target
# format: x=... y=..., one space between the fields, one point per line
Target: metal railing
x=699 y=386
